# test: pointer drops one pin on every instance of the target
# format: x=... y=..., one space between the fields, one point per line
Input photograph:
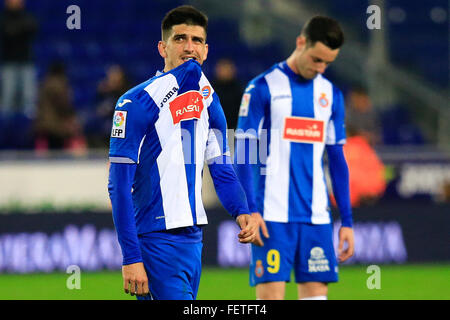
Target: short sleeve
x=336 y=126
x=254 y=101
x=129 y=125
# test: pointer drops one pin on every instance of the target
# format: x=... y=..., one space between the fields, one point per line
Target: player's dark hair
x=183 y=15
x=325 y=30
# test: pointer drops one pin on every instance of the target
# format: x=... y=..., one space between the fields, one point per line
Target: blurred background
x=61 y=77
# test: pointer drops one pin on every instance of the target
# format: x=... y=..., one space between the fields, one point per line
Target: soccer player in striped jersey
x=289 y=116
x=163 y=132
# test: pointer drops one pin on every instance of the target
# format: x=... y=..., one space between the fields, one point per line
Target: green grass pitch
x=398 y=282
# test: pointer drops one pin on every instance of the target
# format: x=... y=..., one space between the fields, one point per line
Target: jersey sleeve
x=336 y=126
x=129 y=125
x=188 y=75
x=217 y=143
x=339 y=175
x=252 y=110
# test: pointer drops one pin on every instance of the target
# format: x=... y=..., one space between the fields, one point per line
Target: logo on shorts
x=317 y=261
x=119 y=122
x=323 y=101
x=186 y=106
x=259 y=269
x=304 y=130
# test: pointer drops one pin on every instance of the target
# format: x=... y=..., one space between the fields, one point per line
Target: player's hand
x=345 y=236
x=135 y=280
x=261 y=224
x=249 y=228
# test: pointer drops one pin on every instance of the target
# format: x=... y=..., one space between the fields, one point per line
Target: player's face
x=312 y=60
x=185 y=42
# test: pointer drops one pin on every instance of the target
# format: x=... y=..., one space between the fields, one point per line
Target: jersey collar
x=288 y=71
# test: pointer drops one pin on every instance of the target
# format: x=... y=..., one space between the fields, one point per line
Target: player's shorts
x=173 y=268
x=305 y=248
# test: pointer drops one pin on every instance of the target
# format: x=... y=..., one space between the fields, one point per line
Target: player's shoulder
x=260 y=81
x=132 y=95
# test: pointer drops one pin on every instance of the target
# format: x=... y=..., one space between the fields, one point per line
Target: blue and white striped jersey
x=169 y=126
x=293 y=118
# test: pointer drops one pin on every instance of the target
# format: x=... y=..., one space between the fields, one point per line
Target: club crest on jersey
x=206 y=92
x=119 y=123
x=304 y=130
x=186 y=106
x=323 y=101
x=259 y=269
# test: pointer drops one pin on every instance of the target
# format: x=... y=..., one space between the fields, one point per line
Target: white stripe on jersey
x=120 y=160
x=202 y=129
x=140 y=147
x=276 y=194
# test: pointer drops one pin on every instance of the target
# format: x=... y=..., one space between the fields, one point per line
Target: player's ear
x=162 y=49
x=206 y=52
x=300 y=42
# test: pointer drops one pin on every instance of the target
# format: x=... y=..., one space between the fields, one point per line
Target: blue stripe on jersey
x=188 y=131
x=301 y=162
x=189 y=150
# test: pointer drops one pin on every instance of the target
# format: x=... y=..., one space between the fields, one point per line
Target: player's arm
x=226 y=183
x=232 y=196
x=339 y=175
x=244 y=171
x=119 y=186
x=340 y=181
x=251 y=115
x=120 y=183
x=128 y=130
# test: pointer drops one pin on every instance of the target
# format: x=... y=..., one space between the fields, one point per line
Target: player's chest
x=301 y=113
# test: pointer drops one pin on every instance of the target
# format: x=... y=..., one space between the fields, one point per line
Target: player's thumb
x=242 y=221
x=340 y=246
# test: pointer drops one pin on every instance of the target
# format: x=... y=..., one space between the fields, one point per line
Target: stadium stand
x=123 y=32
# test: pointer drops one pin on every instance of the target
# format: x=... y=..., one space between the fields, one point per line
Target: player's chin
x=311 y=75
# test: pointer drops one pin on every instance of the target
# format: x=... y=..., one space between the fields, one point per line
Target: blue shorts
x=306 y=248
x=173 y=268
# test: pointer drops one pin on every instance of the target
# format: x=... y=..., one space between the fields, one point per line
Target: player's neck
x=291 y=64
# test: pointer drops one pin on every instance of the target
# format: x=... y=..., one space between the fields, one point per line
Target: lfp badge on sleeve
x=119 y=123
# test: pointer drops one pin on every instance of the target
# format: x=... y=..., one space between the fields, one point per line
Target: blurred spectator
x=361 y=118
x=57 y=125
x=229 y=89
x=366 y=171
x=109 y=90
x=17 y=30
